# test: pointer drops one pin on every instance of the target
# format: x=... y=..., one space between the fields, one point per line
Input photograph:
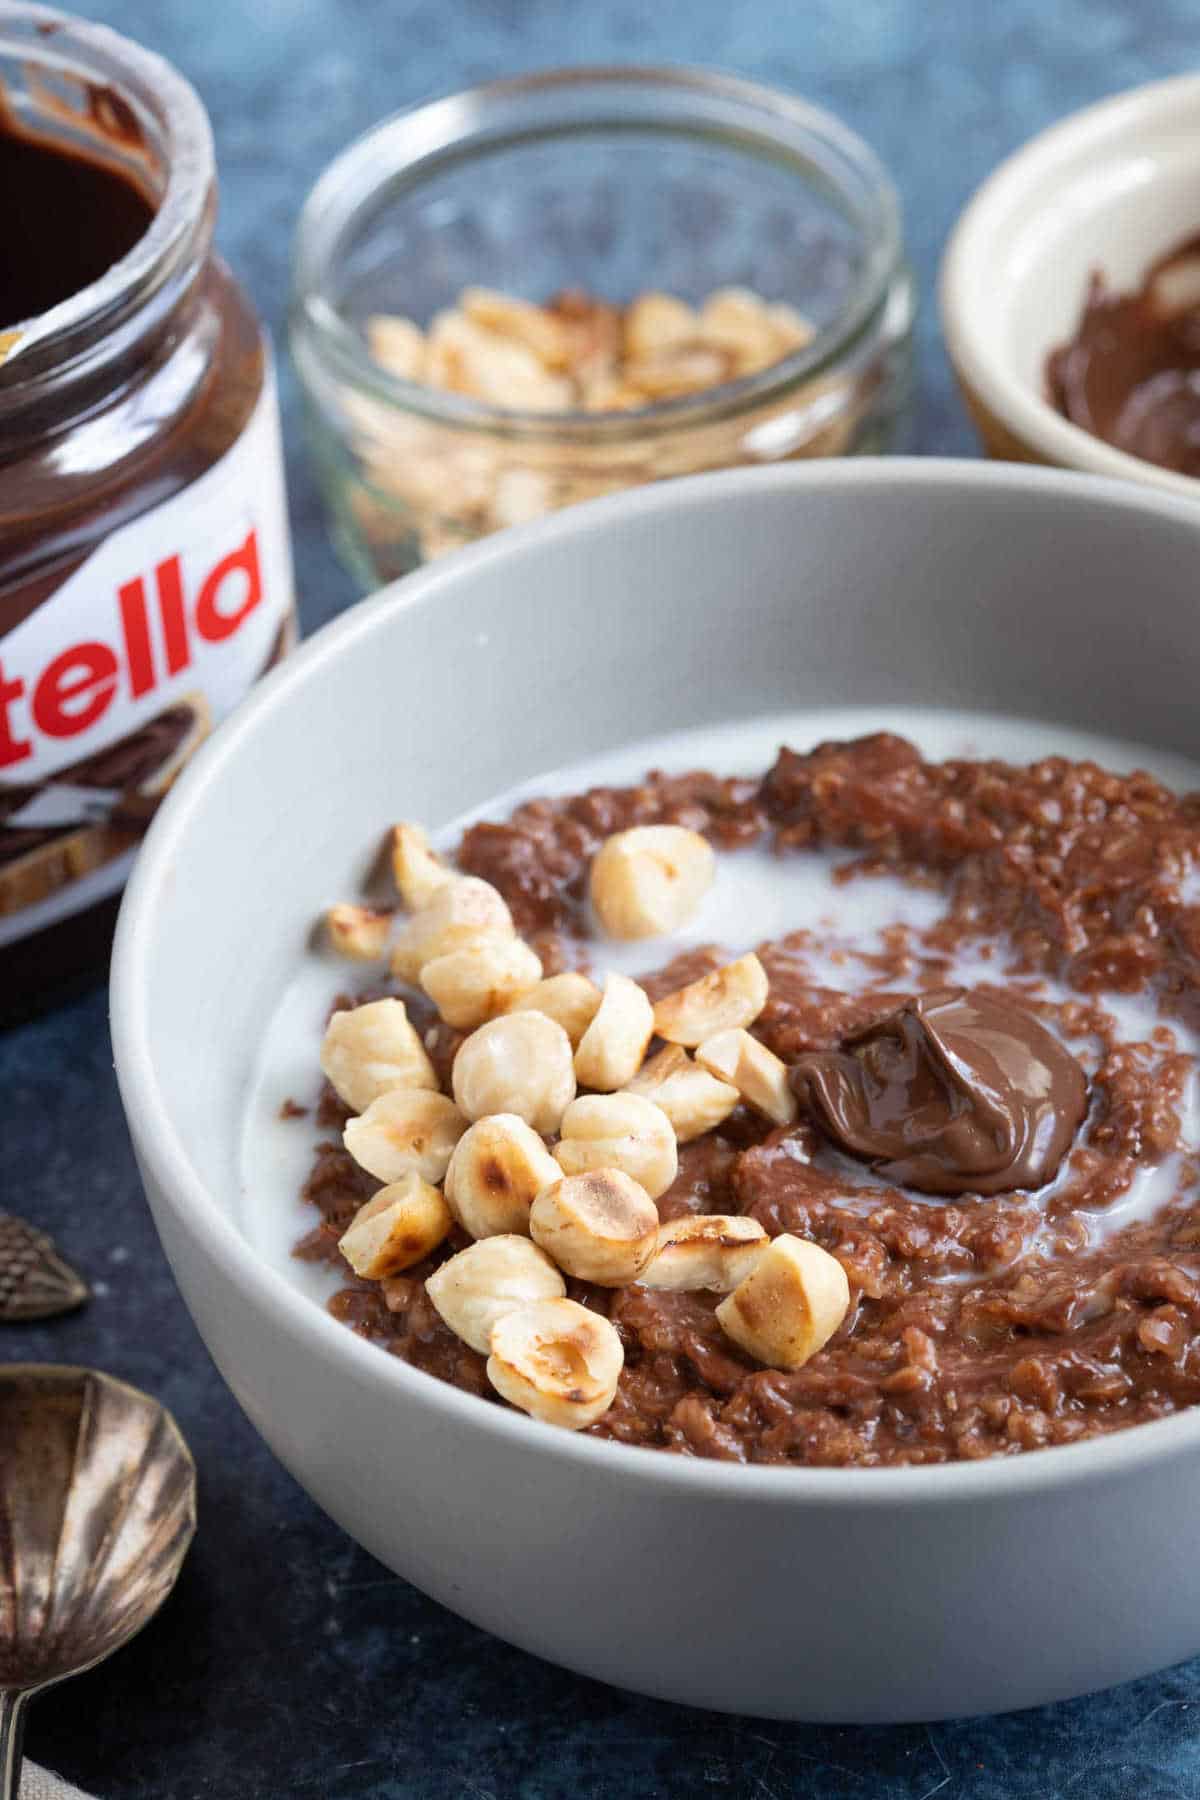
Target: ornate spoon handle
x=12 y=1721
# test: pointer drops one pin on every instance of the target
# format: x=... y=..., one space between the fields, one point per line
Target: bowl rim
x=1109 y=1456
x=974 y=352
x=440 y=131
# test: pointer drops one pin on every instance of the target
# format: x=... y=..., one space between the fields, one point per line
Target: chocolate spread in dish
x=953 y=1093
x=1131 y=373
x=64 y=221
x=981 y=1323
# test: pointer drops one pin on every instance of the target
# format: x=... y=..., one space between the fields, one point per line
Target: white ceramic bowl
x=815 y=1594
x=1110 y=188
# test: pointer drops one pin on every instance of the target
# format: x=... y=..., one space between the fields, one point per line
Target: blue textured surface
x=290 y=1663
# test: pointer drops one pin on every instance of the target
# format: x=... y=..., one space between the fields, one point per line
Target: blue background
x=288 y=1662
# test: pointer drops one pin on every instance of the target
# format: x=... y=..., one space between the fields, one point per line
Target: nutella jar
x=145 y=572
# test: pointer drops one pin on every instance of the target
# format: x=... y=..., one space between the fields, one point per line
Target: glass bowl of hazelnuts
x=558 y=286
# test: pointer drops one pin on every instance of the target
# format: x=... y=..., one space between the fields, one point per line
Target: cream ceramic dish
x=1111 y=188
x=805 y=1593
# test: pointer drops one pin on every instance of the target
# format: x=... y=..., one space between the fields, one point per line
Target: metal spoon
x=97 y=1509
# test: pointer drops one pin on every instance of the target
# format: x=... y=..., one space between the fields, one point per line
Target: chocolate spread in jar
x=1131 y=373
x=145 y=575
x=41 y=188
x=953 y=1093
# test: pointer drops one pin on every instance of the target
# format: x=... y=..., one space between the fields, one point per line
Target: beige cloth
x=40 y=1784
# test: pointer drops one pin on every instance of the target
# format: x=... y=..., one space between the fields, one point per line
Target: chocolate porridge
x=985 y=1316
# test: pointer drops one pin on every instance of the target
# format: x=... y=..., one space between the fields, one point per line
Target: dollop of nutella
x=1131 y=373
x=953 y=1093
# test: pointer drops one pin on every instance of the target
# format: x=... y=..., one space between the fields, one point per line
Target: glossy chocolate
x=1131 y=373
x=953 y=1093
x=64 y=221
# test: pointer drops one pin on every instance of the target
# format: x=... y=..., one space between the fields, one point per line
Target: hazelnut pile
x=444 y=484
x=578 y=354
x=548 y=1180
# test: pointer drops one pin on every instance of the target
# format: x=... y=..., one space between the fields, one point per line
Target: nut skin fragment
x=556 y=1360
x=708 y=1251
x=533 y=326
x=499 y=1167
x=372 y=1050
x=619 y=1131
x=468 y=359
x=611 y=1049
x=789 y=1306
x=398 y=1227
x=417 y=871
x=521 y=495
x=648 y=881
x=593 y=332
x=760 y=1077
x=475 y=1289
x=519 y=1063
x=605 y=393
x=405 y=1131
x=397 y=345
x=480 y=980
x=693 y=1100
x=571 y=1000
x=601 y=1226
x=730 y=997
x=670 y=374
x=792 y=329
x=358 y=932
x=737 y=321
x=658 y=322
x=463 y=910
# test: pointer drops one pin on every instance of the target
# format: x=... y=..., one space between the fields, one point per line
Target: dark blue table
x=290 y=1663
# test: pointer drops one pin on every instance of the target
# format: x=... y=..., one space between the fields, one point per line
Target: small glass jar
x=613 y=182
x=145 y=577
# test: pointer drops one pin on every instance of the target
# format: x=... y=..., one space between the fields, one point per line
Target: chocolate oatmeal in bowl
x=825 y=1428
x=839 y=1115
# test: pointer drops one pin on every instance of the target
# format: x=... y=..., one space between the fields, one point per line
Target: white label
x=184 y=604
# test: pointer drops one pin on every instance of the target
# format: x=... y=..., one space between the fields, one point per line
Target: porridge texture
x=975 y=1323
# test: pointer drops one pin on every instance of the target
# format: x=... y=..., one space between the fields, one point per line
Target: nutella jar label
x=110 y=685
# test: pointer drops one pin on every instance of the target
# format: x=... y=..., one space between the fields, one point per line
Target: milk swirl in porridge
x=897 y=902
